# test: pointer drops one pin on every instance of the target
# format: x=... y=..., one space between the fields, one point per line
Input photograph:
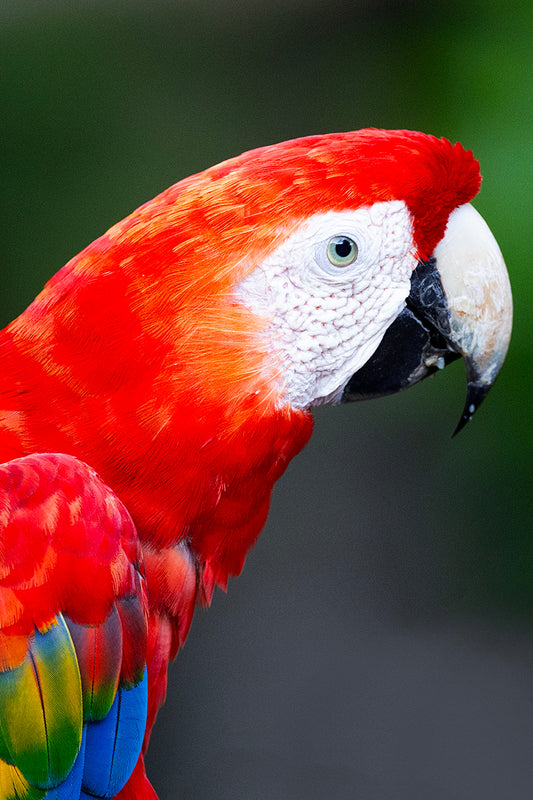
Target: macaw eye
x=342 y=251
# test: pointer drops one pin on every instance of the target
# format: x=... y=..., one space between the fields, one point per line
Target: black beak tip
x=475 y=394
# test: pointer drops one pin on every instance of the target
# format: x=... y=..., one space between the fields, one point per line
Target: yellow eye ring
x=342 y=251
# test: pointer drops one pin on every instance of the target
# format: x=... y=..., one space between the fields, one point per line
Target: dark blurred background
x=379 y=643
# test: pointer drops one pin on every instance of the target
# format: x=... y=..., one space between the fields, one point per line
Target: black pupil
x=343 y=248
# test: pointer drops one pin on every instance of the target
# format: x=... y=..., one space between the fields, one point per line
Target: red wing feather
x=72 y=630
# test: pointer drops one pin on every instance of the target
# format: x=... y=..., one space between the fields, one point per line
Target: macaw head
x=320 y=270
x=363 y=264
x=385 y=273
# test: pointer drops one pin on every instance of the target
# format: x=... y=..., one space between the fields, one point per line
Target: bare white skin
x=325 y=321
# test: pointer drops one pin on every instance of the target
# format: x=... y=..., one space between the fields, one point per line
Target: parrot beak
x=460 y=305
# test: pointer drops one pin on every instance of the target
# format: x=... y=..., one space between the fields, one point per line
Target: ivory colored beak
x=460 y=305
x=476 y=285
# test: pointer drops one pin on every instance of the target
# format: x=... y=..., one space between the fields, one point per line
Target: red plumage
x=64 y=537
x=137 y=359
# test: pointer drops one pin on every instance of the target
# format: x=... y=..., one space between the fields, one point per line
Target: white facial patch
x=329 y=293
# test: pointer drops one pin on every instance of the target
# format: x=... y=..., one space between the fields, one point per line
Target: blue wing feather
x=113 y=744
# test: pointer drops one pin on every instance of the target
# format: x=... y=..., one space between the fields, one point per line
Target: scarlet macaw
x=178 y=357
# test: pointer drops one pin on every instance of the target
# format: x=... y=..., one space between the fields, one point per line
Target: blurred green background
x=380 y=641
